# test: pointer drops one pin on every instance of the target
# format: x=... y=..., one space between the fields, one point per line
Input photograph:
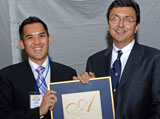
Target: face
x=122 y=25
x=35 y=42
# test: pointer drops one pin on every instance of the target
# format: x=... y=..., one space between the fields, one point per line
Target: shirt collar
x=125 y=49
x=34 y=66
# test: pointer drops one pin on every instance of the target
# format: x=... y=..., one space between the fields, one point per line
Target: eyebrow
x=29 y=35
x=119 y=16
x=42 y=33
x=114 y=15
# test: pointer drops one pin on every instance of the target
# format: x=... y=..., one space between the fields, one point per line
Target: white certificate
x=82 y=105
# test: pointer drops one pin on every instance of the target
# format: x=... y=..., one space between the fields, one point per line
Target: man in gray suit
x=136 y=69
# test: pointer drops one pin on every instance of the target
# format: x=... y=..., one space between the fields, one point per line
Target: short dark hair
x=125 y=3
x=31 y=20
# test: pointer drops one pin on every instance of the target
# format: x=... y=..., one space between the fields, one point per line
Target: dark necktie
x=42 y=86
x=115 y=73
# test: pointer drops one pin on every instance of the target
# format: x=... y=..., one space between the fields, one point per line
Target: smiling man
x=35 y=42
x=23 y=86
x=122 y=25
x=134 y=68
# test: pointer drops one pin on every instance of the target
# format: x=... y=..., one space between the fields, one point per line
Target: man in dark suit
x=20 y=84
x=137 y=93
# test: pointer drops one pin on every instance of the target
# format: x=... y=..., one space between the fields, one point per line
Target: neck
x=40 y=61
x=121 y=45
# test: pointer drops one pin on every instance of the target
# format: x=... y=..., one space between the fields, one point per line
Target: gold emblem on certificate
x=82 y=105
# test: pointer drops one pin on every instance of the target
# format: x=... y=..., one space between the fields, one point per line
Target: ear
x=49 y=38
x=21 y=43
x=108 y=27
x=137 y=28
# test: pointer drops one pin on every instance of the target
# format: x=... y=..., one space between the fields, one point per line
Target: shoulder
x=14 y=67
x=61 y=72
x=15 y=70
x=150 y=51
x=61 y=67
x=101 y=54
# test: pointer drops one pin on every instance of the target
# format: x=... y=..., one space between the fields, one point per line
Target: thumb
x=74 y=78
x=92 y=75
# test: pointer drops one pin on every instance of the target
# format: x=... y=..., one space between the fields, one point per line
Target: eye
x=42 y=35
x=30 y=37
x=128 y=20
x=115 y=19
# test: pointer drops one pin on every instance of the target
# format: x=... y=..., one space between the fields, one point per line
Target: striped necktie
x=42 y=86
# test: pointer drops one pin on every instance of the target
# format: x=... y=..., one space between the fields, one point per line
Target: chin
x=39 y=57
x=120 y=40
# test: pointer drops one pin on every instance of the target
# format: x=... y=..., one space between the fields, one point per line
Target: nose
x=36 y=40
x=121 y=23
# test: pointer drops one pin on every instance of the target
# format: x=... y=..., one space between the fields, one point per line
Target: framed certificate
x=83 y=101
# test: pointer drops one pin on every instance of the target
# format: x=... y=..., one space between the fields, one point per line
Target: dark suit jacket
x=16 y=84
x=138 y=94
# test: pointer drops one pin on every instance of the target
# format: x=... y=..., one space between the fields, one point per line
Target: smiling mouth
x=37 y=50
x=120 y=31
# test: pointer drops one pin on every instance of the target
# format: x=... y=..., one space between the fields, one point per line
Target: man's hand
x=84 y=77
x=48 y=102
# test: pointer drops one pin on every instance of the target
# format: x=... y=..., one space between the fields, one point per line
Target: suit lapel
x=51 y=72
x=54 y=75
x=131 y=65
x=107 y=61
x=28 y=76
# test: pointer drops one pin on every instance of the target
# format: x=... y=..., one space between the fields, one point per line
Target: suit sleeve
x=7 y=107
x=155 y=109
x=89 y=66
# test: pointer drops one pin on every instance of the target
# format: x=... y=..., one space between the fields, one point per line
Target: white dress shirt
x=126 y=52
x=46 y=72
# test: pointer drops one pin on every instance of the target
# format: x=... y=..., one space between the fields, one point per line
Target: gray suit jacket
x=138 y=94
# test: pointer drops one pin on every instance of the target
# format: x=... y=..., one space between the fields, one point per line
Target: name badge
x=35 y=100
